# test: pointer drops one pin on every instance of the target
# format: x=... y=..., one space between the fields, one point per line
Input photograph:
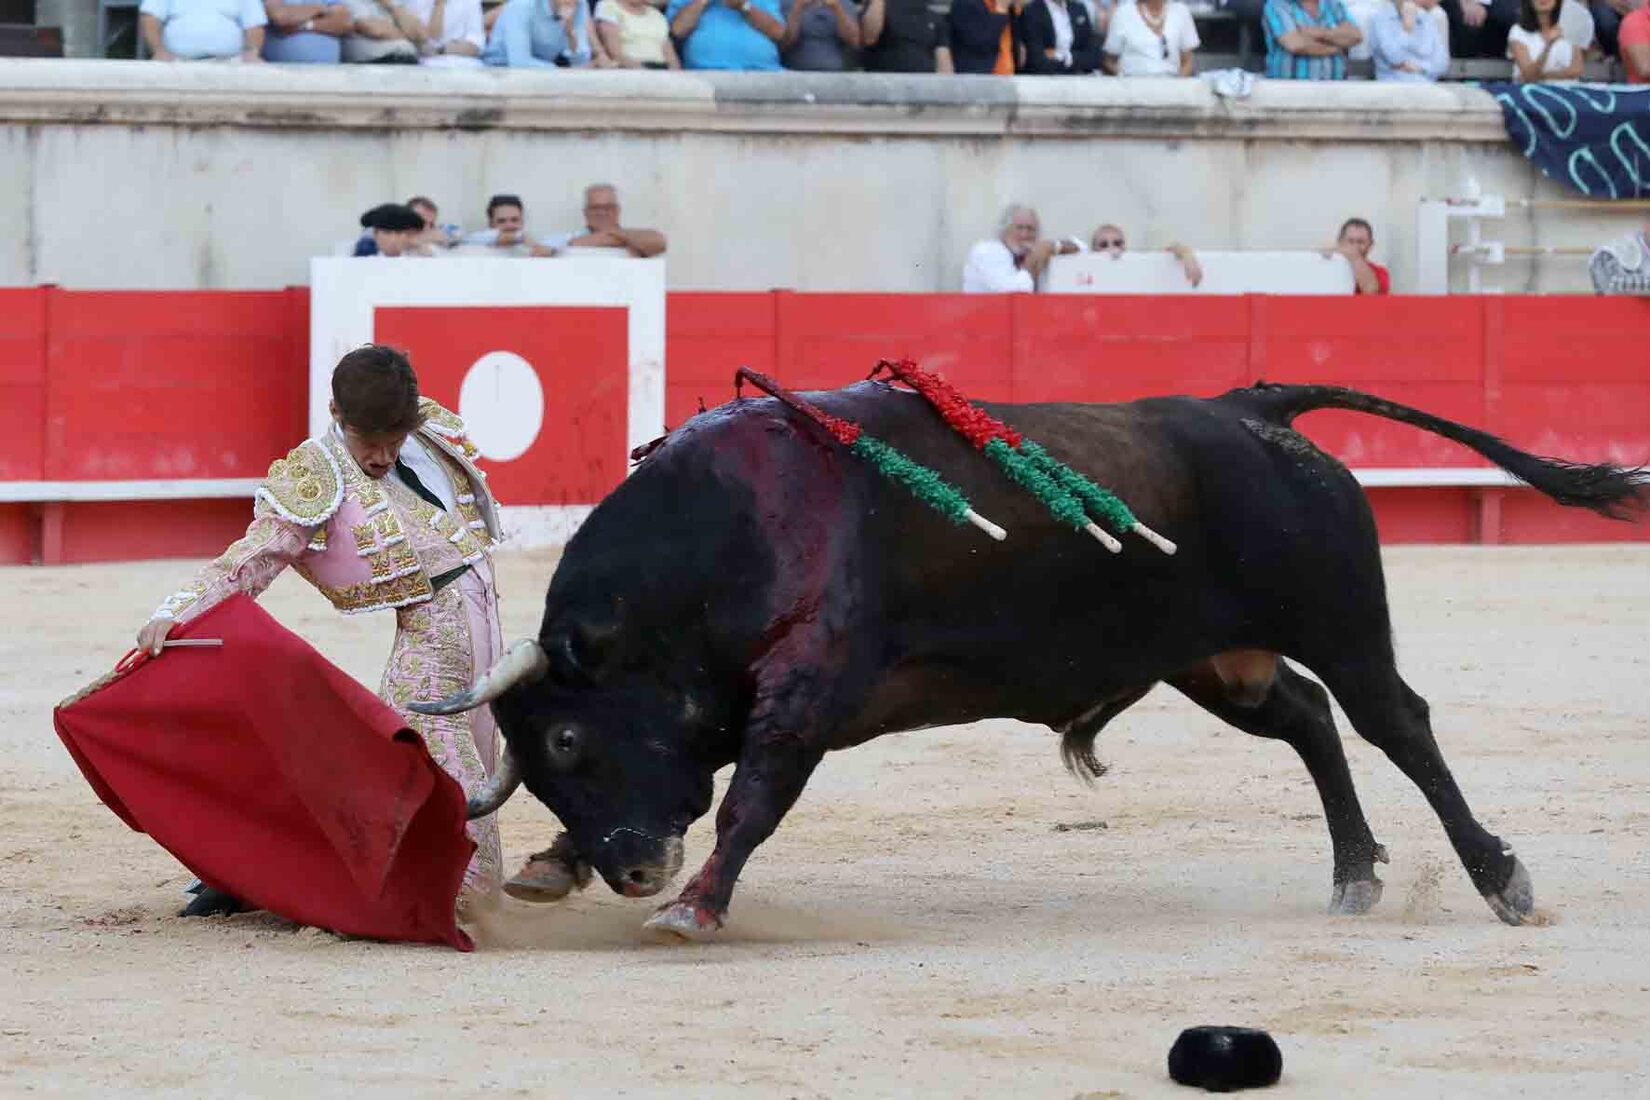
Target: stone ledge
x=389 y=98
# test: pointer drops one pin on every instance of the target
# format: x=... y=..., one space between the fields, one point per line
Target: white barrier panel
x=557 y=366
x=1223 y=273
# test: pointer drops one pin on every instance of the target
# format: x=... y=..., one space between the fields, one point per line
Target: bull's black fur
x=755 y=595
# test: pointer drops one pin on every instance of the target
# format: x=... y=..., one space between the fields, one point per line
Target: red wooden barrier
x=145 y=386
x=114 y=386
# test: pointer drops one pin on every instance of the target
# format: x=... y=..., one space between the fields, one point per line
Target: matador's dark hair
x=376 y=390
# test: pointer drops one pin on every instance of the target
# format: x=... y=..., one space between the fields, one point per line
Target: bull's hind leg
x=1394 y=719
x=1295 y=710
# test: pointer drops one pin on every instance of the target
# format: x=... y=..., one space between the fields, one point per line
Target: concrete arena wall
x=148 y=176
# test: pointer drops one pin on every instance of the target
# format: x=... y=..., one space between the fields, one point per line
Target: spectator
x=1013 y=259
x=1308 y=39
x=1634 y=40
x=602 y=229
x=1058 y=38
x=306 y=34
x=541 y=34
x=1356 y=238
x=1537 y=46
x=1108 y=239
x=1407 y=44
x=1478 y=28
x=1608 y=16
x=727 y=34
x=203 y=30
x=1151 y=38
x=821 y=36
x=446 y=33
x=980 y=36
x=1249 y=16
x=1100 y=13
x=1623 y=266
x=392 y=230
x=506 y=226
x=435 y=235
x=383 y=30
x=901 y=36
x=635 y=35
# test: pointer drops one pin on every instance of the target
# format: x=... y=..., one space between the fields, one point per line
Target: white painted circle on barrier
x=502 y=403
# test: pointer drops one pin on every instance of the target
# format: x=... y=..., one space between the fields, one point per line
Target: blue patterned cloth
x=1594 y=137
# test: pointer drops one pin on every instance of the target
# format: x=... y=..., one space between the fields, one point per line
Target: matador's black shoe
x=209 y=901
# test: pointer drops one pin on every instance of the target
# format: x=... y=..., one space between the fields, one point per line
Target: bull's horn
x=498 y=788
x=522 y=664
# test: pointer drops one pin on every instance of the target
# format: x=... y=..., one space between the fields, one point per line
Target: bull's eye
x=563 y=744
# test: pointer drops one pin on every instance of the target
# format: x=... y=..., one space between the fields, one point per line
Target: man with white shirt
x=506 y=232
x=602 y=229
x=1013 y=259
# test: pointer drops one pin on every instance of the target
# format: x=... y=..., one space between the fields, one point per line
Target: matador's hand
x=154 y=632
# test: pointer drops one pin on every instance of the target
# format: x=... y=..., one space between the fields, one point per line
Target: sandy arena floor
x=921 y=924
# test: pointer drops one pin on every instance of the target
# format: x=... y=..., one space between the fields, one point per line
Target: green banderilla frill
x=1061 y=504
x=923 y=483
x=1102 y=503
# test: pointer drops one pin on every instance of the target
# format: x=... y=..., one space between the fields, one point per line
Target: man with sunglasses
x=1108 y=239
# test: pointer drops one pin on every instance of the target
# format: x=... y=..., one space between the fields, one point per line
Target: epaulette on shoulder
x=306 y=487
x=440 y=419
x=446 y=424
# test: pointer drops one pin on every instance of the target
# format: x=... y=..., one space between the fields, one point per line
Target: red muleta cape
x=270 y=773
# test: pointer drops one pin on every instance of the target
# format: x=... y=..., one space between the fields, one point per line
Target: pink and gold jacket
x=365 y=544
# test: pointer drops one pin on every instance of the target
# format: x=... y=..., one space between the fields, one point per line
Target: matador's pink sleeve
x=250 y=565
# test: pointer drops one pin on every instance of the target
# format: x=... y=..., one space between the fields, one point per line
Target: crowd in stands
x=414 y=228
x=1404 y=40
x=1012 y=261
x=1015 y=259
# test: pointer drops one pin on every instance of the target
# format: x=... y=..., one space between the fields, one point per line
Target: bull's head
x=623 y=758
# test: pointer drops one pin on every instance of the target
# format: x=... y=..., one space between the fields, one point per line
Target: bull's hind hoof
x=1355 y=897
x=680 y=921
x=1514 y=903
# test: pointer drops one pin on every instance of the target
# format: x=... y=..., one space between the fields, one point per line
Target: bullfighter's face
x=375 y=452
x=619 y=757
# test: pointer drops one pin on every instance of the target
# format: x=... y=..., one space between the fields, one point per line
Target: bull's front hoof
x=679 y=921
x=549 y=875
x=1514 y=903
x=1355 y=897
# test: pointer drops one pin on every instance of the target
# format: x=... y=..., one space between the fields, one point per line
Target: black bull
x=756 y=595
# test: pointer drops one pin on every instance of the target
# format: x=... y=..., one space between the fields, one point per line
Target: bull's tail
x=1615 y=491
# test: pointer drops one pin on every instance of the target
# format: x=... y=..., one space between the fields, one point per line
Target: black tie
x=411 y=481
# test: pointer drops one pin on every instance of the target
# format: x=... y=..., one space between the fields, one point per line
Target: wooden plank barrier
x=135 y=424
